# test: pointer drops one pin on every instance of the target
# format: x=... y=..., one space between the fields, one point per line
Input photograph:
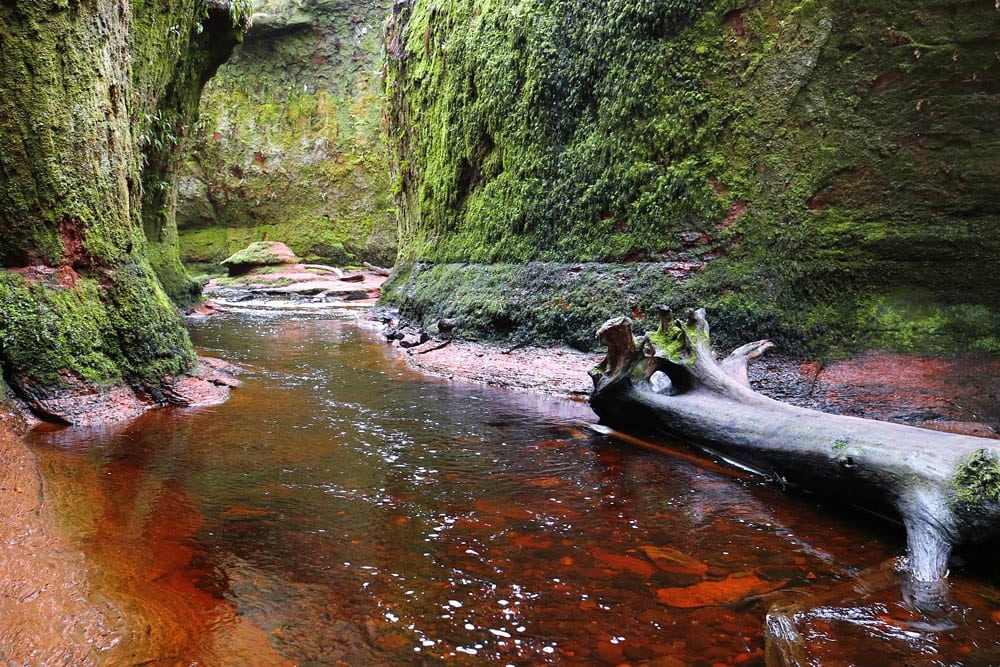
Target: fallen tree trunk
x=323 y=267
x=377 y=270
x=944 y=487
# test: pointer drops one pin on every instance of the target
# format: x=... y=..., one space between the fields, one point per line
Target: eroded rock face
x=96 y=99
x=818 y=173
x=289 y=145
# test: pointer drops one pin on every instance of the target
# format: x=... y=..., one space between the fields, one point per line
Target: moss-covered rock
x=976 y=484
x=289 y=145
x=81 y=309
x=177 y=46
x=56 y=326
x=822 y=168
x=261 y=253
x=536 y=302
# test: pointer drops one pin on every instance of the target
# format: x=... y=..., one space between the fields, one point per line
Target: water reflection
x=340 y=509
x=926 y=625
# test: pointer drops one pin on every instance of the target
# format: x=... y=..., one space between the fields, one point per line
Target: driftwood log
x=323 y=267
x=944 y=487
x=377 y=270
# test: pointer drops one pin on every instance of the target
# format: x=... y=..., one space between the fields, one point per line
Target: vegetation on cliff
x=816 y=171
x=289 y=144
x=177 y=47
x=93 y=97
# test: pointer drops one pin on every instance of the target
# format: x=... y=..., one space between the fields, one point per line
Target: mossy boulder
x=261 y=253
x=820 y=171
x=289 y=144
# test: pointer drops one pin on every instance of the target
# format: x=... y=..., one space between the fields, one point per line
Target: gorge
x=820 y=173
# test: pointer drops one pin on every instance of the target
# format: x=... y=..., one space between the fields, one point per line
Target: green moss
x=290 y=145
x=976 y=483
x=92 y=105
x=100 y=333
x=914 y=320
x=63 y=143
x=259 y=253
x=813 y=160
x=540 y=303
x=552 y=152
x=678 y=339
x=179 y=44
x=173 y=277
x=46 y=331
x=144 y=328
x=319 y=242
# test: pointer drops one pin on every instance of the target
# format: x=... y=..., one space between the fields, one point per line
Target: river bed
x=342 y=509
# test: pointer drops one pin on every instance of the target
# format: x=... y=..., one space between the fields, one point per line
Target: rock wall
x=289 y=145
x=83 y=88
x=818 y=171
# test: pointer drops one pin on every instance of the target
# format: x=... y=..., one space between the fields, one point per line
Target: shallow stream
x=340 y=509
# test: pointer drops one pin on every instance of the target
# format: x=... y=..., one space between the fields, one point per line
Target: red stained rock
x=488 y=507
x=86 y=406
x=622 y=562
x=714 y=593
x=674 y=561
x=530 y=541
x=81 y=404
x=195 y=392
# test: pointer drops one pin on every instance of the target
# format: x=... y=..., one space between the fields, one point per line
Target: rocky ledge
x=80 y=404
